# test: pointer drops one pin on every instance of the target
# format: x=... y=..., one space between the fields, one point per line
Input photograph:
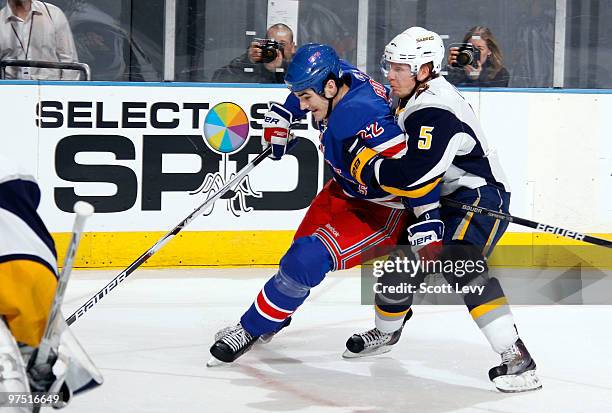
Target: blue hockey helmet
x=312 y=65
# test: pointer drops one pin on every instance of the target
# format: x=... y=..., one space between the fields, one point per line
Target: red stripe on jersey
x=331 y=245
x=269 y=310
x=393 y=150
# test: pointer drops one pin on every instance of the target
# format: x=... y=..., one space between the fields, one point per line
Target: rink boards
x=146 y=155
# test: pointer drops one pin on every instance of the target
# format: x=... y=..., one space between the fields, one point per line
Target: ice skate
x=231 y=343
x=373 y=342
x=516 y=373
x=266 y=338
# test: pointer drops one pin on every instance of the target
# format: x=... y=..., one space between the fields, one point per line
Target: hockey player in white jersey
x=28 y=280
x=447 y=155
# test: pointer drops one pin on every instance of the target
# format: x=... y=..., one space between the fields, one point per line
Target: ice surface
x=150 y=338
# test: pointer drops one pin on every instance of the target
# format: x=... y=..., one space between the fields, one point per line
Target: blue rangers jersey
x=446 y=148
x=364 y=112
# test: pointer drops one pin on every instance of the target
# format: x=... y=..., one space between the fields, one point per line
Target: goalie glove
x=42 y=379
x=426 y=235
x=41 y=376
x=276 y=125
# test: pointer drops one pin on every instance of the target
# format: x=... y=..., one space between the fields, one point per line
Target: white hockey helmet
x=415 y=47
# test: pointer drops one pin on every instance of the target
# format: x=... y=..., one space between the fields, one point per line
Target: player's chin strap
x=330 y=102
x=420 y=85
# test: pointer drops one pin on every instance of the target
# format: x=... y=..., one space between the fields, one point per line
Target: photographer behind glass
x=35 y=30
x=264 y=62
x=478 y=61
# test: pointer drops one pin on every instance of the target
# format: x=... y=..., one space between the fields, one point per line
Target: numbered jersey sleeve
x=435 y=136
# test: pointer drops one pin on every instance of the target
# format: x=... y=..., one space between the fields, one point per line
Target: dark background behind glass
x=211 y=33
x=123 y=39
x=588 y=52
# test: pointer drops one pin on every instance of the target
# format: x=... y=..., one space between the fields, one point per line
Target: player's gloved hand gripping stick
x=425 y=236
x=362 y=161
x=276 y=131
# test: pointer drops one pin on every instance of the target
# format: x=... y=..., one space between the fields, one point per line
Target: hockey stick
x=50 y=339
x=527 y=223
x=83 y=211
x=163 y=240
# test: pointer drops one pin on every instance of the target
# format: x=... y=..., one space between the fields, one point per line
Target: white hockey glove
x=276 y=125
x=426 y=235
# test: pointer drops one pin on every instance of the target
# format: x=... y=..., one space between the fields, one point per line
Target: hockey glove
x=426 y=235
x=41 y=376
x=277 y=122
x=42 y=379
x=360 y=161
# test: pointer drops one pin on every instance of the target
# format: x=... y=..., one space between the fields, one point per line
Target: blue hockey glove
x=360 y=161
x=426 y=235
x=276 y=125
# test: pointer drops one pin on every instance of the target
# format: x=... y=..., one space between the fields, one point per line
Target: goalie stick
x=527 y=223
x=83 y=211
x=163 y=240
x=51 y=336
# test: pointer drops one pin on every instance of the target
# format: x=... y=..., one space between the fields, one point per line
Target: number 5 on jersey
x=425 y=137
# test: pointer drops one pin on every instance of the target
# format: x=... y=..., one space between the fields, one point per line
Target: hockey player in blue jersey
x=447 y=155
x=346 y=218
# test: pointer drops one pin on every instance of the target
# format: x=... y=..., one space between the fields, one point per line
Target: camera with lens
x=269 y=49
x=468 y=54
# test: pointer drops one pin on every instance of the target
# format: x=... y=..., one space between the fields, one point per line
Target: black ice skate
x=231 y=343
x=517 y=371
x=373 y=342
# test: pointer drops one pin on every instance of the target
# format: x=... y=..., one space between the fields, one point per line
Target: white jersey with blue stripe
x=23 y=235
x=446 y=148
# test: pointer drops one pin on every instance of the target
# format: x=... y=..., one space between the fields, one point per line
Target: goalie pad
x=12 y=370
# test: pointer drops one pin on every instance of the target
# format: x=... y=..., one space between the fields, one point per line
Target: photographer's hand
x=276 y=63
x=473 y=72
x=453 y=52
x=254 y=52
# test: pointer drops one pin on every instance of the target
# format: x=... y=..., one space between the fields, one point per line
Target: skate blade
x=517 y=383
x=215 y=362
x=381 y=350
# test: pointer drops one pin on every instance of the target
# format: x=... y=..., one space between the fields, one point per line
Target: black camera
x=468 y=54
x=269 y=49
